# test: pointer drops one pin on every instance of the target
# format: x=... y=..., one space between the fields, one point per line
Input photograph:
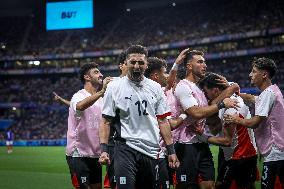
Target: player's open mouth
x=136 y=74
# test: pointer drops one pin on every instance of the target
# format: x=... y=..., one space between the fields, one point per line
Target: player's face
x=136 y=66
x=96 y=77
x=211 y=93
x=163 y=77
x=198 y=66
x=256 y=76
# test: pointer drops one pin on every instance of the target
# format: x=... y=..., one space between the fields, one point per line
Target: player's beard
x=97 y=83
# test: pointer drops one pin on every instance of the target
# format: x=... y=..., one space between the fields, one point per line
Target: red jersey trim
x=164 y=115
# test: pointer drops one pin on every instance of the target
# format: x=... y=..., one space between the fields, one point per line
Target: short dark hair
x=266 y=64
x=182 y=69
x=154 y=64
x=85 y=69
x=121 y=57
x=136 y=49
x=210 y=81
x=191 y=53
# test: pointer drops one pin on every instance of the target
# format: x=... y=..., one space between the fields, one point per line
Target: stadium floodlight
x=36 y=62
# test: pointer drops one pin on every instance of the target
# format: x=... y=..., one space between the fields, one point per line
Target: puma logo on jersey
x=128 y=98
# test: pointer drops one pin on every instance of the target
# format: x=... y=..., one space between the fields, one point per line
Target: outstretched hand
x=105 y=82
x=181 y=56
x=56 y=96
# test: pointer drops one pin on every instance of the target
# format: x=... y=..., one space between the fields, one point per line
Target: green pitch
x=39 y=167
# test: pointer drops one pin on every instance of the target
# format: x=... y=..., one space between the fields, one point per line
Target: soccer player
x=197 y=167
x=156 y=71
x=110 y=180
x=239 y=152
x=140 y=104
x=9 y=140
x=267 y=121
x=85 y=114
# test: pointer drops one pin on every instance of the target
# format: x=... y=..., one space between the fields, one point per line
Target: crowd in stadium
x=214 y=20
x=199 y=101
x=23 y=91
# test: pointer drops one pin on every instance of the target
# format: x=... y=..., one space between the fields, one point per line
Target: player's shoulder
x=268 y=92
x=186 y=83
x=80 y=93
x=152 y=83
x=115 y=82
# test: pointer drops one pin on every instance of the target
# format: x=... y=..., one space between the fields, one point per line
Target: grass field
x=40 y=168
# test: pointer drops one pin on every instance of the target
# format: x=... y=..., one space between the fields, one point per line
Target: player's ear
x=265 y=74
x=87 y=77
x=189 y=66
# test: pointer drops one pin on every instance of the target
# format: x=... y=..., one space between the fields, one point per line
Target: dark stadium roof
x=12 y=8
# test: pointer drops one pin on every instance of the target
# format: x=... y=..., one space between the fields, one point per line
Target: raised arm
x=60 y=99
x=89 y=101
x=173 y=72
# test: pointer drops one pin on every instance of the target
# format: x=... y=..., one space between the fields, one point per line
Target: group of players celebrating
x=153 y=129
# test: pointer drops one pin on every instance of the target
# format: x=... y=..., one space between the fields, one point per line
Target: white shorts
x=9 y=142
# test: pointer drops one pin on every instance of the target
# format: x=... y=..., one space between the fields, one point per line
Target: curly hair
x=85 y=69
x=266 y=64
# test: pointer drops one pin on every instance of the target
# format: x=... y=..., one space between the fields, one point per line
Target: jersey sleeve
x=264 y=103
x=77 y=97
x=162 y=108
x=108 y=102
x=185 y=97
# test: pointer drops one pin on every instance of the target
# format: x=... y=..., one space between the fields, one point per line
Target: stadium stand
x=229 y=40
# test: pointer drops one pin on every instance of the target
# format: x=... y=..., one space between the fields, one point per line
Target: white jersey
x=138 y=107
x=242 y=144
